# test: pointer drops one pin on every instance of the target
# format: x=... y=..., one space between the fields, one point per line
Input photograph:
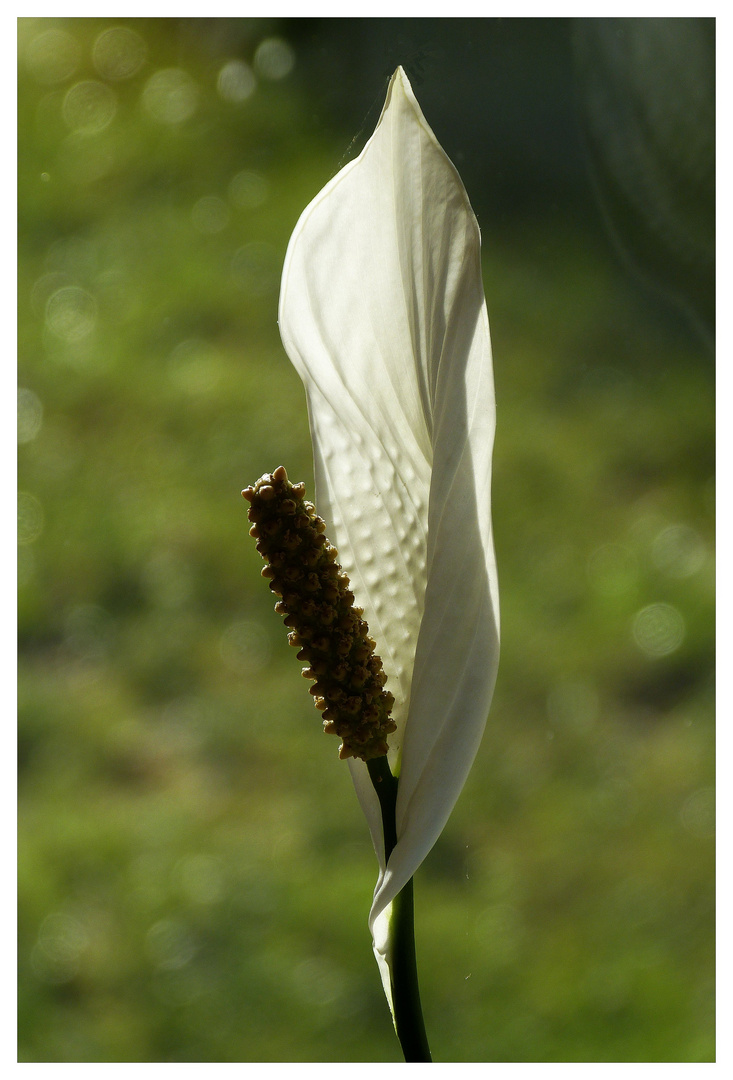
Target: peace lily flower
x=382 y=313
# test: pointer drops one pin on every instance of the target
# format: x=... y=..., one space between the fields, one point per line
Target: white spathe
x=383 y=315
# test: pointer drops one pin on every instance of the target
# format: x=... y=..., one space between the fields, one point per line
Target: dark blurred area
x=646 y=91
x=548 y=117
x=194 y=869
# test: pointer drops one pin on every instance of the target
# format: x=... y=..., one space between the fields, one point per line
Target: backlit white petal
x=383 y=315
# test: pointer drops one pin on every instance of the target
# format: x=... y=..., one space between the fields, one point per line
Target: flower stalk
x=407 y=1009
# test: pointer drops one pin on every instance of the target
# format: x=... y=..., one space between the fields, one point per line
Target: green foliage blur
x=195 y=873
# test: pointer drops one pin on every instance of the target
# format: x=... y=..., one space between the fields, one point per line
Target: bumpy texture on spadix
x=382 y=313
x=318 y=606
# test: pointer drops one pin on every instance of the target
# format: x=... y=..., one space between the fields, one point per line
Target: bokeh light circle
x=89 y=107
x=30 y=518
x=236 y=81
x=679 y=551
x=71 y=313
x=170 y=945
x=170 y=96
x=119 y=53
x=248 y=190
x=30 y=415
x=274 y=58
x=61 y=942
x=53 y=56
x=658 y=629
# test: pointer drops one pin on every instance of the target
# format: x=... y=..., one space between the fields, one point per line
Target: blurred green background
x=195 y=873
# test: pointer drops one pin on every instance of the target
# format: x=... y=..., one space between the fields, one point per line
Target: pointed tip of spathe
x=399 y=78
x=401 y=94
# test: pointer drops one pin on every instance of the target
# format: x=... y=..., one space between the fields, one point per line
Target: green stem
x=408 y=1019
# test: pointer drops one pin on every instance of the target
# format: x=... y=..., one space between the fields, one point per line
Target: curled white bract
x=382 y=313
